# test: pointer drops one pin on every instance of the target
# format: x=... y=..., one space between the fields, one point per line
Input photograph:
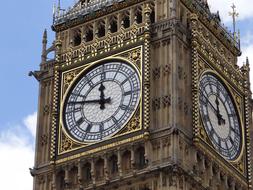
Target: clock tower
x=142 y=95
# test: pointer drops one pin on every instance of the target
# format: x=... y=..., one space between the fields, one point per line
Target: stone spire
x=44 y=47
x=247 y=61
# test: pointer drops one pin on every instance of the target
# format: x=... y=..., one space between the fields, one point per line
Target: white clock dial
x=101 y=101
x=219 y=116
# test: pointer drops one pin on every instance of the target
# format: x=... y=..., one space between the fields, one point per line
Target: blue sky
x=22 y=26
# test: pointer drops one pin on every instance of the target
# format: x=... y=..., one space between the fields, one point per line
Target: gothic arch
x=60 y=182
x=126 y=161
x=100 y=31
x=125 y=21
x=140 y=157
x=88 y=33
x=138 y=16
x=99 y=169
x=113 y=164
x=113 y=24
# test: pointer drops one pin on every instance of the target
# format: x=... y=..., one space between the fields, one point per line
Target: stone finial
x=44 y=47
x=45 y=36
x=247 y=61
x=147 y=11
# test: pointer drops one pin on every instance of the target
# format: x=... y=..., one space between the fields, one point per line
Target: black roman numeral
x=203 y=100
x=231 y=140
x=205 y=118
x=76 y=109
x=130 y=92
x=231 y=115
x=101 y=127
x=88 y=128
x=127 y=93
x=80 y=95
x=124 y=81
x=102 y=72
x=119 y=67
x=235 y=131
x=123 y=107
x=80 y=121
x=212 y=132
x=114 y=120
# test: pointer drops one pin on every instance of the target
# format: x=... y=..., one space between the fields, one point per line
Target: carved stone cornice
x=163 y=30
x=208 y=54
x=206 y=17
x=68 y=22
x=102 y=46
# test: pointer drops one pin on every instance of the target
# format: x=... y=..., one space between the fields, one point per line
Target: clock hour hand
x=209 y=103
x=102 y=96
x=107 y=100
x=219 y=116
x=217 y=111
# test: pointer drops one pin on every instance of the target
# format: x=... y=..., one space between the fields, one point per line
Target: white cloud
x=243 y=7
x=247 y=52
x=17 y=155
x=245 y=10
x=30 y=122
x=247 y=39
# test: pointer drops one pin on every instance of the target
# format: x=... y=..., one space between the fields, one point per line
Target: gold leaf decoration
x=134 y=124
x=68 y=78
x=66 y=145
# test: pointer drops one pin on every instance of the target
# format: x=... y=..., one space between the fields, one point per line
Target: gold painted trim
x=101 y=148
x=85 y=68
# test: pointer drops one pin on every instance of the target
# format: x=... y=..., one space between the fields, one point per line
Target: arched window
x=126 y=161
x=60 y=183
x=87 y=172
x=152 y=14
x=140 y=157
x=113 y=164
x=99 y=169
x=73 y=177
x=77 y=39
x=88 y=34
x=138 y=15
x=113 y=25
x=101 y=29
x=126 y=20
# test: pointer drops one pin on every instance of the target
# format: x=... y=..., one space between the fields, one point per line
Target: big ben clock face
x=101 y=101
x=220 y=117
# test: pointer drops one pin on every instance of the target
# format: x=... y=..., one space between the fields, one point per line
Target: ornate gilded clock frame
x=138 y=41
x=210 y=54
x=66 y=143
x=238 y=103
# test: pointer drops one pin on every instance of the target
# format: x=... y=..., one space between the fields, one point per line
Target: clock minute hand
x=217 y=111
x=107 y=100
x=214 y=109
x=219 y=116
x=102 y=96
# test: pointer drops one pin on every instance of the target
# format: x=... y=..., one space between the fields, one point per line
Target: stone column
x=54 y=181
x=133 y=157
x=80 y=174
x=119 y=162
x=106 y=169
x=93 y=178
x=66 y=179
x=161 y=150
